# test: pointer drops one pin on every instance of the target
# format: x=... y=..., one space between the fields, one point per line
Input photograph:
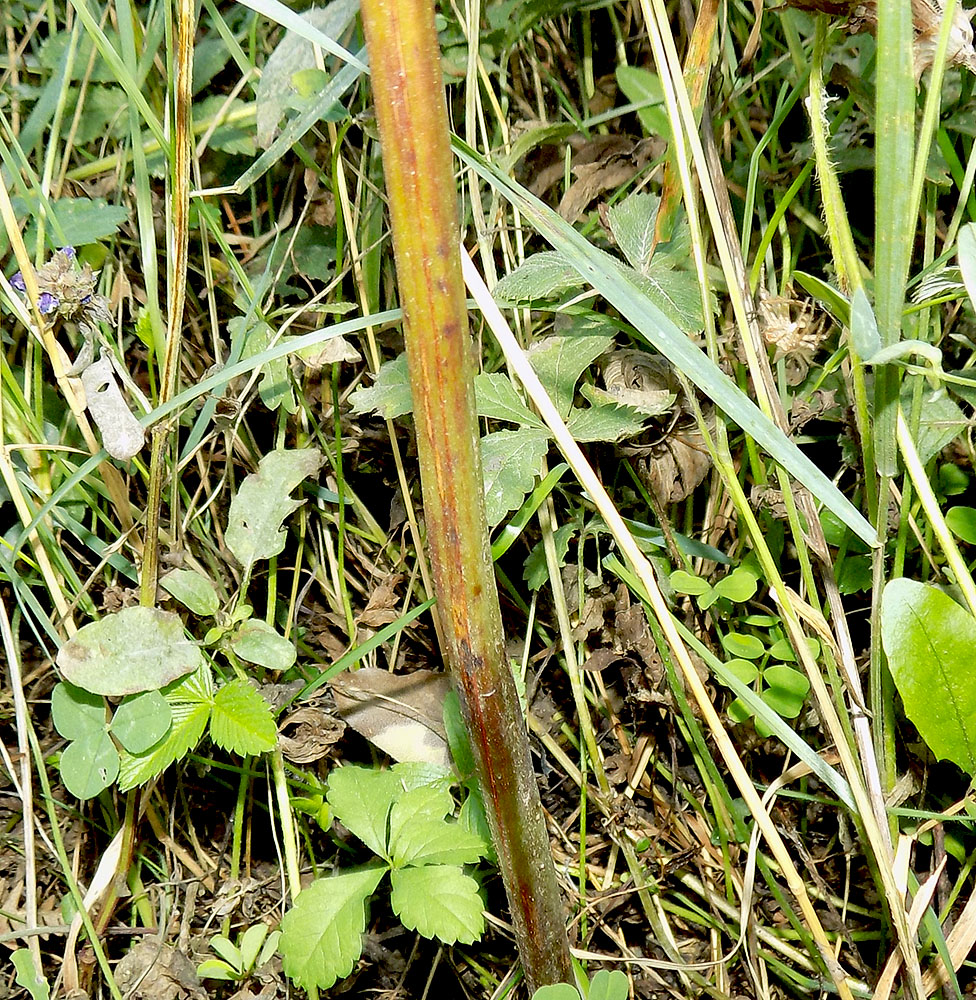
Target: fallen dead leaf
x=402 y=714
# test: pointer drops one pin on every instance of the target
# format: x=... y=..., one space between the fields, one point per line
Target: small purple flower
x=69 y=252
x=17 y=281
x=47 y=303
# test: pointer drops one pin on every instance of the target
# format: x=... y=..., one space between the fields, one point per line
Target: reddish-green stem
x=412 y=117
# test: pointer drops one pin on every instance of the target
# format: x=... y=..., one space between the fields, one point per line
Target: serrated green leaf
x=544 y=275
x=241 y=721
x=419 y=834
x=496 y=398
x=141 y=721
x=624 y=293
x=321 y=935
x=675 y=293
x=929 y=641
x=438 y=901
x=77 y=713
x=361 y=799
x=390 y=395
x=135 y=649
x=941 y=421
x=89 y=765
x=257 y=642
x=258 y=511
x=192 y=590
x=639 y=404
x=560 y=360
x=189 y=723
x=511 y=461
x=632 y=223
x=606 y=419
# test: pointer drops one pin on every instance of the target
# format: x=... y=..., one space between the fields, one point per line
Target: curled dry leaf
x=793 y=327
x=672 y=459
x=155 y=971
x=309 y=733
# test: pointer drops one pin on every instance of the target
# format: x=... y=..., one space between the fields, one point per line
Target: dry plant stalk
x=862 y=15
x=412 y=116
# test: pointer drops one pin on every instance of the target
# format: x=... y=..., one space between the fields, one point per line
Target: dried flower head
x=66 y=290
x=793 y=328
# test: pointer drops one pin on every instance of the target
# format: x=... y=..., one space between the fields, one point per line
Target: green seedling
x=240 y=961
x=603 y=986
x=401 y=816
x=783 y=687
x=736 y=587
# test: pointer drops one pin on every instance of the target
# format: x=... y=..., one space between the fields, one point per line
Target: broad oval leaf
x=322 y=934
x=929 y=641
x=257 y=642
x=135 y=649
x=193 y=590
x=511 y=461
x=962 y=522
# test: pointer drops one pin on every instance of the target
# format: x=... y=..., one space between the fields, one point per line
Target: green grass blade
x=894 y=210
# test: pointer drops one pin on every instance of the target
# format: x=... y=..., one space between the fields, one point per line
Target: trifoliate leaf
x=89 y=765
x=257 y=513
x=193 y=590
x=511 y=461
x=257 y=642
x=77 y=713
x=141 y=721
x=389 y=395
x=438 y=901
x=241 y=721
x=321 y=935
x=361 y=799
x=135 y=649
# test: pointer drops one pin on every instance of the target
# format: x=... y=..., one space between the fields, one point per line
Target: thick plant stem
x=412 y=118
